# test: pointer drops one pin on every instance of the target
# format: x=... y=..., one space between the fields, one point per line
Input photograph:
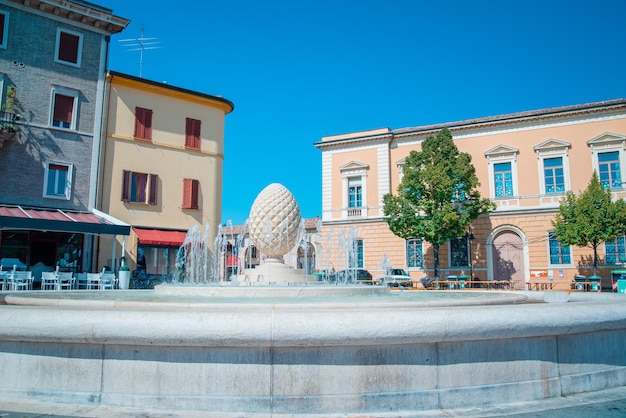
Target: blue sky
x=299 y=70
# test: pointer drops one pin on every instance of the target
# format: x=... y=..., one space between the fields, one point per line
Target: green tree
x=590 y=218
x=437 y=198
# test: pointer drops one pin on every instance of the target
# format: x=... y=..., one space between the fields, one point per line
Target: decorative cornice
x=617 y=105
x=78 y=12
x=552 y=144
x=518 y=117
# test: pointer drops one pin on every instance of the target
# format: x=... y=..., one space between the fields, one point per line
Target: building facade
x=53 y=57
x=162 y=169
x=526 y=162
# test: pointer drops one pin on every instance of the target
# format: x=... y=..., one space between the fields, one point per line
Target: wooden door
x=508 y=258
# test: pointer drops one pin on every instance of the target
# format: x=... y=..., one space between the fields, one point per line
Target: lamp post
x=469 y=236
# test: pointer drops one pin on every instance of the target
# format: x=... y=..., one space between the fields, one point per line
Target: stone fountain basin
x=312 y=354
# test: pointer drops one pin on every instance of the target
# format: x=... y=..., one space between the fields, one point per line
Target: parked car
x=354 y=275
x=397 y=278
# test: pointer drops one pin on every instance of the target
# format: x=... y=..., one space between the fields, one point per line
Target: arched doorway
x=507 y=258
x=306 y=258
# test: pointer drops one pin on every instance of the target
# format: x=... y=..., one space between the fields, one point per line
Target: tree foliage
x=437 y=198
x=590 y=218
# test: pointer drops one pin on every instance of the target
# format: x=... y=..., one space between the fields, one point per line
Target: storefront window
x=14 y=250
x=156 y=260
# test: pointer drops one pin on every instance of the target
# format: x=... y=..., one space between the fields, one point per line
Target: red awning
x=232 y=261
x=46 y=219
x=160 y=237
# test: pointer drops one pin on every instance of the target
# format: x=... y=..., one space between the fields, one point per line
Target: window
x=553 y=167
x=57 y=181
x=143 y=123
x=608 y=151
x=459 y=251
x=503 y=179
x=558 y=253
x=553 y=175
x=192 y=133
x=355 y=199
x=609 y=170
x=415 y=253
x=354 y=189
x=355 y=256
x=64 y=108
x=139 y=187
x=68 y=47
x=615 y=251
x=503 y=172
x=4 y=29
x=158 y=260
x=190 y=193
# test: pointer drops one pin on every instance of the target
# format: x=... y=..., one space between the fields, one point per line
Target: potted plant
x=124 y=276
x=9 y=115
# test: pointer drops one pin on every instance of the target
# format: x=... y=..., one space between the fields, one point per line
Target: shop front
x=43 y=239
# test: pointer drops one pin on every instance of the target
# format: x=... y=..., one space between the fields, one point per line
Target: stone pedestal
x=274 y=271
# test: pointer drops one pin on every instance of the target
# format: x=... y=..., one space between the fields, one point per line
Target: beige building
x=525 y=161
x=162 y=169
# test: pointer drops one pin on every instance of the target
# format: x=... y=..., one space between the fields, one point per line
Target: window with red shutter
x=126 y=186
x=192 y=133
x=140 y=187
x=154 y=189
x=63 y=111
x=190 y=193
x=143 y=123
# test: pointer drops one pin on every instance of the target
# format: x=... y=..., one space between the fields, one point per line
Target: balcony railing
x=7 y=117
x=355 y=212
x=7 y=127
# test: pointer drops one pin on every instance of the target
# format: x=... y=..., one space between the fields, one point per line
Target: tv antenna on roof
x=140 y=44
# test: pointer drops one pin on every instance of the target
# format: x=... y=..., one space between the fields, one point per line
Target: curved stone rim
x=271 y=325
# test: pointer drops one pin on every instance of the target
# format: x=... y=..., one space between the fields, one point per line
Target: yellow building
x=162 y=168
x=525 y=161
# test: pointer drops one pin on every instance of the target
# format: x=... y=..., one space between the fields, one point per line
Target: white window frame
x=553 y=148
x=354 y=170
x=65 y=92
x=5 y=34
x=58 y=44
x=400 y=166
x=68 y=183
x=497 y=155
x=609 y=142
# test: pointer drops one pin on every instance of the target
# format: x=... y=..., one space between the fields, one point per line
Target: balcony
x=7 y=126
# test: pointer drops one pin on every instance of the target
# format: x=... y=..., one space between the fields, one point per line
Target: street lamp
x=469 y=237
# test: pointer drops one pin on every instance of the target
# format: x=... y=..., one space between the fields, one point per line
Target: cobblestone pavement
x=609 y=403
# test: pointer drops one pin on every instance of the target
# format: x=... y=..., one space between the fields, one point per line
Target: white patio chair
x=80 y=281
x=107 y=281
x=93 y=280
x=49 y=280
x=65 y=280
x=21 y=280
x=4 y=280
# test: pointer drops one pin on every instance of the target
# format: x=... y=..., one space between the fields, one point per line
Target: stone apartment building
x=53 y=58
x=525 y=161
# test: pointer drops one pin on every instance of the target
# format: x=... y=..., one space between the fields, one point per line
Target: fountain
x=276 y=348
